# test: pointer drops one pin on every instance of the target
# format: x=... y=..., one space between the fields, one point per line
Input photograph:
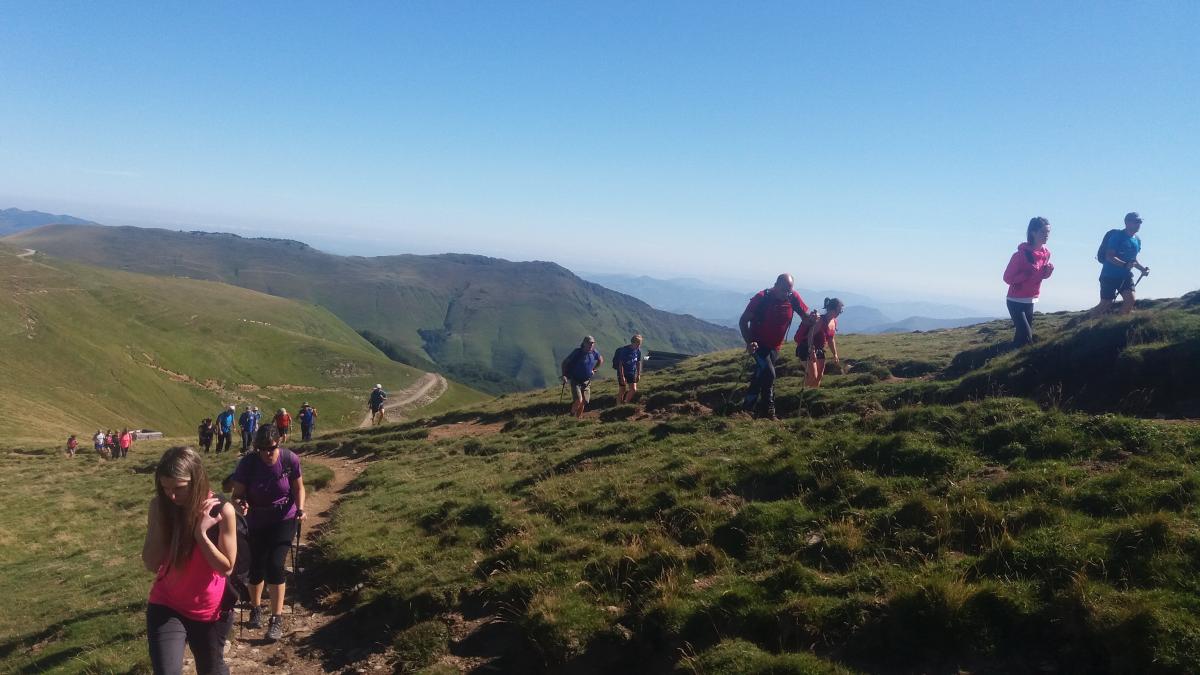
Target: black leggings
x=168 y=630
x=762 y=383
x=1022 y=316
x=268 y=551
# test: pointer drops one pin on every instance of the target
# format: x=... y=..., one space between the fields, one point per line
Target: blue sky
x=888 y=148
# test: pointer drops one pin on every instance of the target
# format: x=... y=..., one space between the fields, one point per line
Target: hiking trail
x=248 y=651
x=427 y=389
x=28 y=252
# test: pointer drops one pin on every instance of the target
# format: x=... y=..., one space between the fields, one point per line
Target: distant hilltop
x=16 y=220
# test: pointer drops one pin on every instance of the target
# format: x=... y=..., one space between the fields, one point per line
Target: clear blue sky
x=877 y=147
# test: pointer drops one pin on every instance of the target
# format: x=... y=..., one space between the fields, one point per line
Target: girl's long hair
x=180 y=463
x=1035 y=224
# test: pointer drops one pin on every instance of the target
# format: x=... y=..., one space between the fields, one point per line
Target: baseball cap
x=232 y=407
x=1133 y=217
x=379 y=386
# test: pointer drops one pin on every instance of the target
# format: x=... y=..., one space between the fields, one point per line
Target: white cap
x=379 y=386
x=232 y=407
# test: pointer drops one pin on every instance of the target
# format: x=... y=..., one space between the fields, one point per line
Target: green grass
x=87 y=348
x=898 y=519
x=70 y=547
x=887 y=524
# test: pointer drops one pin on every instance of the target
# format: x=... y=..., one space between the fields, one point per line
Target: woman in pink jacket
x=1026 y=270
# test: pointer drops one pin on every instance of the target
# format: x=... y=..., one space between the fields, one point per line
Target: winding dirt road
x=427 y=389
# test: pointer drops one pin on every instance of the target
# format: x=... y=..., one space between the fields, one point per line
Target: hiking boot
x=255 y=617
x=275 y=627
x=768 y=414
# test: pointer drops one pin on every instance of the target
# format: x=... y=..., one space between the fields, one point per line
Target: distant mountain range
x=724 y=306
x=16 y=220
x=492 y=324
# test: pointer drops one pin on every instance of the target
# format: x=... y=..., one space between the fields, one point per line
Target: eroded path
x=427 y=389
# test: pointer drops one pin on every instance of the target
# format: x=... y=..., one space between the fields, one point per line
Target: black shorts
x=802 y=351
x=1110 y=286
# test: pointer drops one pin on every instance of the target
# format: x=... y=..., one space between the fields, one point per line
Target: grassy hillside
x=901 y=519
x=876 y=529
x=87 y=347
x=490 y=323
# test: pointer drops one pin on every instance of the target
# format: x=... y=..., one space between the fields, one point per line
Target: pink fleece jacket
x=1026 y=269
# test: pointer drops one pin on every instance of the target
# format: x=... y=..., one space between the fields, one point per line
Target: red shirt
x=770 y=317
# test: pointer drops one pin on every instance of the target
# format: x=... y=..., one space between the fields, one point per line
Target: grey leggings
x=167 y=631
x=1022 y=316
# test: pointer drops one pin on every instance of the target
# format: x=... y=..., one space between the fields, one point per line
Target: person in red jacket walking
x=1024 y=274
x=764 y=327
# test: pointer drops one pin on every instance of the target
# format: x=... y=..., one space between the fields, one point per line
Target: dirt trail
x=427 y=389
x=28 y=252
x=248 y=650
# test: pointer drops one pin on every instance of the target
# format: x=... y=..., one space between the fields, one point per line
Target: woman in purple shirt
x=268 y=483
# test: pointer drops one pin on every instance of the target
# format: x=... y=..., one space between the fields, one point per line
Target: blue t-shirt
x=225 y=421
x=1127 y=248
x=582 y=364
x=306 y=415
x=249 y=422
x=627 y=360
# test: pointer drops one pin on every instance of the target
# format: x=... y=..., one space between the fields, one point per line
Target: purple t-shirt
x=269 y=488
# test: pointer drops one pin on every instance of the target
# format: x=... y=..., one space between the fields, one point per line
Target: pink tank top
x=194 y=591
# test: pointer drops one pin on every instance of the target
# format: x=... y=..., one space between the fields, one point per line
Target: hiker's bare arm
x=599 y=362
x=298 y=490
x=218 y=556
x=833 y=349
x=154 y=547
x=238 y=496
x=1129 y=264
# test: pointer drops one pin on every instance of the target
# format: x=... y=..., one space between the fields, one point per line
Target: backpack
x=1102 y=252
x=237 y=584
x=761 y=310
x=807 y=321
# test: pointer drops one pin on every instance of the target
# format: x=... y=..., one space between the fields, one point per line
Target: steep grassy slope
x=874 y=530
x=88 y=347
x=491 y=323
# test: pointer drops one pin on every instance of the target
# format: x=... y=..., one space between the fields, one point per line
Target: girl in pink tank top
x=191 y=546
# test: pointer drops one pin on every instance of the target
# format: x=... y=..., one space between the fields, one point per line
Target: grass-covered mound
x=872 y=530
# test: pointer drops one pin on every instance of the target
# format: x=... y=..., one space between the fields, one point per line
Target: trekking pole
x=296 y=565
x=1141 y=276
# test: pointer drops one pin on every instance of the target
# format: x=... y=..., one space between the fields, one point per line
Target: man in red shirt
x=764 y=327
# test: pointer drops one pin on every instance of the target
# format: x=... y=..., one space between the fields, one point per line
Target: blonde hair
x=180 y=463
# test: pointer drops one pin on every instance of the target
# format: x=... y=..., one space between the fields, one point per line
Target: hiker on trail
x=308 y=419
x=270 y=485
x=225 y=429
x=72 y=446
x=628 y=363
x=283 y=424
x=205 y=433
x=375 y=403
x=191 y=546
x=98 y=442
x=125 y=440
x=578 y=369
x=110 y=445
x=1024 y=274
x=1118 y=253
x=764 y=326
x=814 y=336
x=247 y=424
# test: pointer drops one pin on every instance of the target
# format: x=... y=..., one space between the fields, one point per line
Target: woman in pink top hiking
x=191 y=546
x=1024 y=274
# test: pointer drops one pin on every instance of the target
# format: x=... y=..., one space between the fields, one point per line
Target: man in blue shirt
x=578 y=368
x=1120 y=259
x=308 y=419
x=225 y=429
x=248 y=424
x=628 y=364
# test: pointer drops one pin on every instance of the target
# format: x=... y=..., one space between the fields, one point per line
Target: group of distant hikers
x=765 y=323
x=107 y=444
x=247 y=424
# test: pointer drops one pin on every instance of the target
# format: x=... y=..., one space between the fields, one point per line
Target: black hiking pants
x=1022 y=316
x=247 y=440
x=224 y=440
x=762 y=383
x=269 y=546
x=306 y=431
x=167 y=631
